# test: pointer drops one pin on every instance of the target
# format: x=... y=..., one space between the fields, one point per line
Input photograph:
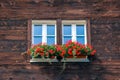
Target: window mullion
x=44 y=33
x=85 y=34
x=55 y=34
x=73 y=32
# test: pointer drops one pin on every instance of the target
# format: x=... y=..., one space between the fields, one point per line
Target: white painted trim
x=85 y=32
x=44 y=33
x=32 y=34
x=73 y=32
x=74 y=22
x=55 y=60
x=43 y=22
x=62 y=34
x=55 y=34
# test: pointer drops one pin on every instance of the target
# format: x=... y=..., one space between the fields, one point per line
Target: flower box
x=55 y=60
x=81 y=59
x=80 y=56
x=69 y=52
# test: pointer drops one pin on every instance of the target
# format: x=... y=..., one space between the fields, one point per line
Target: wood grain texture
x=15 y=22
x=40 y=9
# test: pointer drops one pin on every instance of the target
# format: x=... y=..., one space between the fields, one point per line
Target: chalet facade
x=57 y=21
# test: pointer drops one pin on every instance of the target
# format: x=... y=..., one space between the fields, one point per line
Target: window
x=43 y=32
x=58 y=31
x=74 y=30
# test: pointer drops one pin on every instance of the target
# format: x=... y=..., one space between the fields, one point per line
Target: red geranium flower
x=51 y=51
x=78 y=52
x=93 y=52
x=42 y=54
x=70 y=51
x=63 y=53
x=38 y=50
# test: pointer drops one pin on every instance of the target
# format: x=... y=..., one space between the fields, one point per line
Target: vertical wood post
x=88 y=32
x=59 y=31
x=29 y=33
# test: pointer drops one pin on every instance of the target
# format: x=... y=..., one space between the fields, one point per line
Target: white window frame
x=64 y=22
x=73 y=24
x=44 y=24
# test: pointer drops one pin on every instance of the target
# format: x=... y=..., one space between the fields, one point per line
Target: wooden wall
x=104 y=18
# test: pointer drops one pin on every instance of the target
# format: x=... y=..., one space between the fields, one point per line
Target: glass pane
x=37 y=39
x=50 y=29
x=50 y=40
x=67 y=38
x=67 y=30
x=37 y=30
x=81 y=39
x=80 y=29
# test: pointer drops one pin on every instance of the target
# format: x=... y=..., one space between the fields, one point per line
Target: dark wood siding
x=59 y=31
x=15 y=18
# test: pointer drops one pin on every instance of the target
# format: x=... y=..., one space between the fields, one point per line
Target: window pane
x=37 y=30
x=67 y=38
x=80 y=29
x=81 y=39
x=50 y=40
x=50 y=29
x=67 y=30
x=37 y=39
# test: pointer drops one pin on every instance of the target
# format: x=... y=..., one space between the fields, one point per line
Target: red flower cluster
x=60 y=51
x=93 y=52
x=77 y=49
x=51 y=51
x=66 y=50
x=40 y=51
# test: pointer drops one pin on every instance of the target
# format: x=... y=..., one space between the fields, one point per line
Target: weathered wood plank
x=15 y=17
x=34 y=9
